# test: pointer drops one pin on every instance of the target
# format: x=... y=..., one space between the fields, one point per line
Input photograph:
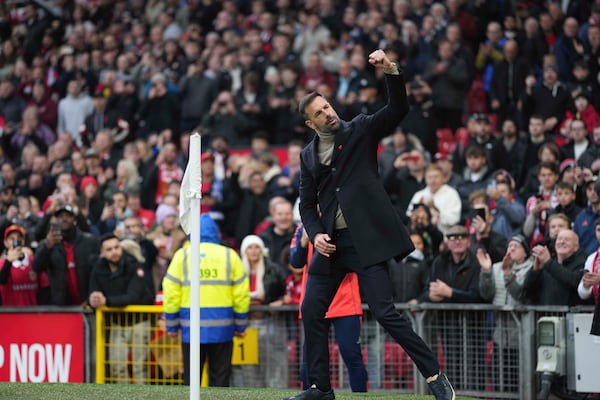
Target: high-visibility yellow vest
x=224 y=293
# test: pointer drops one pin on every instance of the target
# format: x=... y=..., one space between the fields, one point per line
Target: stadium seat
x=294 y=363
x=398 y=371
x=476 y=102
x=334 y=364
x=445 y=140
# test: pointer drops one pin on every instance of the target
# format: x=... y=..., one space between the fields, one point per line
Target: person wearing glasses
x=454 y=278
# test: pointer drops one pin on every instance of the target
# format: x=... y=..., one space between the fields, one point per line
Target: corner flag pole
x=190 y=197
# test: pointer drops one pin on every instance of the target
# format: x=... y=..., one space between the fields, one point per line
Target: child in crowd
x=565 y=194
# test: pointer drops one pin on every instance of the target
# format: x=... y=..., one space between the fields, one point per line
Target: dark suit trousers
x=377 y=291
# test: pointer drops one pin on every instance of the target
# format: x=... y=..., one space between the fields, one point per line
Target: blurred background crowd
x=98 y=99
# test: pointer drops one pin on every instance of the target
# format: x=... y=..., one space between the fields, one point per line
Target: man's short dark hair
x=536 y=116
x=475 y=151
x=107 y=236
x=565 y=186
x=508 y=186
x=579 y=119
x=268 y=158
x=122 y=192
x=306 y=101
x=547 y=165
x=133 y=193
x=476 y=195
x=262 y=135
x=295 y=142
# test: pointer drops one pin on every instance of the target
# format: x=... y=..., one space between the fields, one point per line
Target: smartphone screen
x=56 y=227
x=478 y=212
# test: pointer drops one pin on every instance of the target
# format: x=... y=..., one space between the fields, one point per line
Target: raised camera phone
x=478 y=212
x=56 y=227
x=17 y=243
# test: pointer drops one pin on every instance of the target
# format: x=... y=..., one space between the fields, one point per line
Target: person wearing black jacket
x=508 y=83
x=454 y=278
x=554 y=280
x=550 y=100
x=410 y=276
x=354 y=227
x=65 y=256
x=117 y=280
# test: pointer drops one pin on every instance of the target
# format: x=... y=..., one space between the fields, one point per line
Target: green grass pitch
x=53 y=391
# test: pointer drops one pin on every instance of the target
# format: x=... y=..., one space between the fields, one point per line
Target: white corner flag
x=189 y=216
x=191 y=183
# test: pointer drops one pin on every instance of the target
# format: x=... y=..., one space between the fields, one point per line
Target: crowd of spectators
x=98 y=100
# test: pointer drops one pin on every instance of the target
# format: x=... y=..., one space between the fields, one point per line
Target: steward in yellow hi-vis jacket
x=224 y=302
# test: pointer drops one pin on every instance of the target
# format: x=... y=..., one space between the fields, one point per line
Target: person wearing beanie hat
x=66 y=254
x=19 y=284
x=502 y=284
x=90 y=202
x=523 y=242
x=164 y=211
x=87 y=180
x=166 y=235
x=267 y=284
x=257 y=269
x=567 y=164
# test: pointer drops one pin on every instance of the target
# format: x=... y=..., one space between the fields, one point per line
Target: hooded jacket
x=224 y=289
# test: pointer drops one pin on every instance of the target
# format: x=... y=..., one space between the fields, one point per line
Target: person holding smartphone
x=481 y=222
x=65 y=255
x=19 y=284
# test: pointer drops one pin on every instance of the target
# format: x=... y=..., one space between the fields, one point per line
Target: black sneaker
x=441 y=388
x=313 y=393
